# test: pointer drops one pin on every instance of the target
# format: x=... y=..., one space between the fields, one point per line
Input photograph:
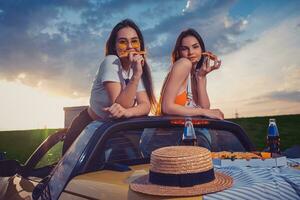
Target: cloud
x=44 y=42
x=209 y=18
x=283 y=96
x=53 y=56
x=57 y=45
x=262 y=76
x=289 y=96
x=291 y=76
x=192 y=5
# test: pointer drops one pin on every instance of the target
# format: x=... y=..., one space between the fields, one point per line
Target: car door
x=38 y=166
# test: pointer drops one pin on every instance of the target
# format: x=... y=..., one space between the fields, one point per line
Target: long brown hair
x=176 y=56
x=111 y=50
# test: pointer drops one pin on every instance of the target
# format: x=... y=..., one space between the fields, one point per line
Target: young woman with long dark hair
x=190 y=63
x=123 y=84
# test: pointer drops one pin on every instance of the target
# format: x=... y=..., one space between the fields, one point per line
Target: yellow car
x=106 y=157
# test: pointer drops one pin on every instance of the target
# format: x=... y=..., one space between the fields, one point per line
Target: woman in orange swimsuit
x=190 y=63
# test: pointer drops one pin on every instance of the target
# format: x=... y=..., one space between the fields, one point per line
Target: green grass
x=53 y=156
x=256 y=128
x=21 y=144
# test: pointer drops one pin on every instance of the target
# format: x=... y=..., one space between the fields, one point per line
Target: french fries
x=126 y=53
x=235 y=155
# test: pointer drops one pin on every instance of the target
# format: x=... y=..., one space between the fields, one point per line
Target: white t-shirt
x=109 y=70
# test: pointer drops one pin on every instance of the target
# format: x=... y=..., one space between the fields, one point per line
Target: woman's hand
x=207 y=67
x=213 y=113
x=117 y=111
x=137 y=62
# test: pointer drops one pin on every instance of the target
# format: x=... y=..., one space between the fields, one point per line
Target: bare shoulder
x=182 y=66
x=183 y=61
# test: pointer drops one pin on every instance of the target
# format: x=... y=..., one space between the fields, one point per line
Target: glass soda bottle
x=189 y=137
x=2 y=155
x=273 y=137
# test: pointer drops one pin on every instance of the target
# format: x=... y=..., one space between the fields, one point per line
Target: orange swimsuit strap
x=181 y=98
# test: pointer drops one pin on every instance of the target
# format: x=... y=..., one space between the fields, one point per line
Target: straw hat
x=181 y=171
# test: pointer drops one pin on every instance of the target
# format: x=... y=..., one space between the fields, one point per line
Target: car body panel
x=113 y=185
x=74 y=177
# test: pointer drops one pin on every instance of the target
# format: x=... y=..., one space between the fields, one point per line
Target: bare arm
x=203 y=99
x=143 y=108
x=126 y=97
x=178 y=75
x=143 y=105
x=123 y=97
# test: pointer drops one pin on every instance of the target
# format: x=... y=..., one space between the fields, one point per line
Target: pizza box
x=271 y=162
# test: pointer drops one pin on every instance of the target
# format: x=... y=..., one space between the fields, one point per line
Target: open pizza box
x=270 y=162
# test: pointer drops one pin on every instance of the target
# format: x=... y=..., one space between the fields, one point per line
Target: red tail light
x=194 y=121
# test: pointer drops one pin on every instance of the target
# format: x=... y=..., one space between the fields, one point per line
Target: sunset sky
x=50 y=51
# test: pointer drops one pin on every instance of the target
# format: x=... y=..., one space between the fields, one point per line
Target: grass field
x=256 y=128
x=21 y=144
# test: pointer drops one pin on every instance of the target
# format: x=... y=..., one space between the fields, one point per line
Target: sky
x=50 y=51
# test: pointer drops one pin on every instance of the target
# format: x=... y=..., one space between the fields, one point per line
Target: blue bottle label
x=272 y=131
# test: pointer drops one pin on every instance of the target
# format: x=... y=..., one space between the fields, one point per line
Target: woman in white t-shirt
x=123 y=84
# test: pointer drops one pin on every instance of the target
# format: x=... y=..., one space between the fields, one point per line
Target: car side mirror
x=9 y=167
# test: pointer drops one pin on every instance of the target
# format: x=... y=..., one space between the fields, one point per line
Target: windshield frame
x=155 y=122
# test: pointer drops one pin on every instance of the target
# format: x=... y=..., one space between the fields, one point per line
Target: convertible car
x=107 y=156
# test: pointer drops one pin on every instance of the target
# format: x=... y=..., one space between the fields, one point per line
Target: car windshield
x=139 y=143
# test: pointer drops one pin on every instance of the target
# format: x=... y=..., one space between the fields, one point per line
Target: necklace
x=126 y=75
